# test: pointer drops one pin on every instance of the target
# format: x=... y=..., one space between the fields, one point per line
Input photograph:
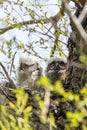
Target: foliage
x=79 y=115
x=83 y=58
x=16 y=115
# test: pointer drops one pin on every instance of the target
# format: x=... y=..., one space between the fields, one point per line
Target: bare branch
x=3 y=91
x=11 y=83
x=76 y=22
x=83 y=13
x=46 y=105
x=78 y=65
x=12 y=62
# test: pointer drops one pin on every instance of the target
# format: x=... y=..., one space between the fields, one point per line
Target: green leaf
x=84 y=91
x=78 y=116
x=59 y=2
x=83 y=58
x=44 y=81
x=52 y=119
x=58 y=88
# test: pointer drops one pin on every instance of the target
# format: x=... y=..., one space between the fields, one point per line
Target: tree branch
x=11 y=83
x=83 y=13
x=35 y=21
x=76 y=22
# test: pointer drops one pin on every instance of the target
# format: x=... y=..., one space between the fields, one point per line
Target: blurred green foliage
x=16 y=116
x=11 y=116
x=83 y=58
x=79 y=116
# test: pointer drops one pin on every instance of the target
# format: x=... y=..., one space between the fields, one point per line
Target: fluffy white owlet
x=29 y=71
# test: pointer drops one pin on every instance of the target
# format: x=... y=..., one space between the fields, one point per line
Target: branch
x=46 y=105
x=12 y=62
x=76 y=22
x=3 y=92
x=11 y=83
x=77 y=3
x=78 y=65
x=83 y=13
x=35 y=21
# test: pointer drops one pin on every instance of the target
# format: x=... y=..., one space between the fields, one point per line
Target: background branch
x=35 y=21
x=11 y=83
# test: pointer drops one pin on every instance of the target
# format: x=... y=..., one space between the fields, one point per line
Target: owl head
x=29 y=70
x=56 y=69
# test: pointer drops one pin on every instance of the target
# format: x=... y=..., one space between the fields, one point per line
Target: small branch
x=44 y=34
x=78 y=65
x=77 y=3
x=11 y=83
x=12 y=62
x=83 y=13
x=3 y=92
x=44 y=25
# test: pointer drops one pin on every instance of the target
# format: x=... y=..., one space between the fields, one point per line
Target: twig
x=77 y=3
x=4 y=93
x=12 y=62
x=83 y=13
x=11 y=83
x=78 y=65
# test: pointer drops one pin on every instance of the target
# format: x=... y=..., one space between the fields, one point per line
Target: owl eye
x=23 y=66
x=51 y=67
x=62 y=65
